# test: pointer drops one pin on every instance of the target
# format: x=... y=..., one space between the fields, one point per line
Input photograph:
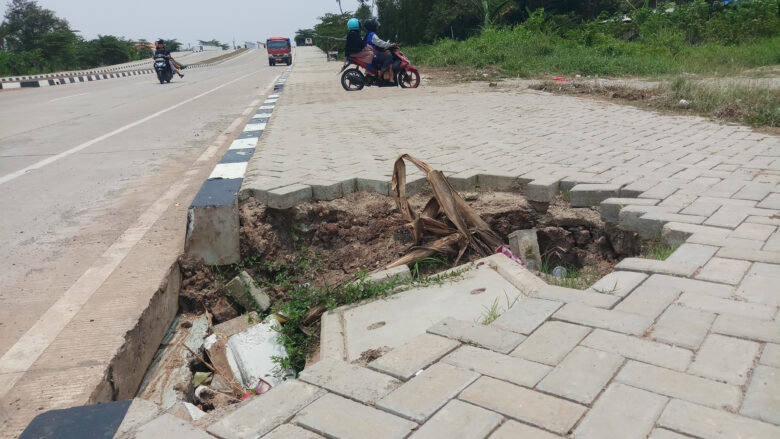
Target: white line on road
x=68 y=97
x=21 y=356
x=6 y=178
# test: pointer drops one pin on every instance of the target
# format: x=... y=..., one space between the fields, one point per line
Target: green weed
x=658 y=250
x=577 y=278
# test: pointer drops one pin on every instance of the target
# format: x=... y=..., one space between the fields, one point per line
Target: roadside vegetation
x=303 y=302
x=685 y=44
x=690 y=37
x=727 y=101
x=34 y=40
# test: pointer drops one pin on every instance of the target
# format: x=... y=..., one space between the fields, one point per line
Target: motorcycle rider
x=160 y=51
x=356 y=48
x=384 y=60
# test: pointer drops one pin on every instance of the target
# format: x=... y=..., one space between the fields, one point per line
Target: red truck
x=279 y=50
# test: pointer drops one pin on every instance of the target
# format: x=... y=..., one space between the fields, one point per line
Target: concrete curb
x=212 y=221
x=59 y=79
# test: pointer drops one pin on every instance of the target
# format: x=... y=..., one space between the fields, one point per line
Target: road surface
x=86 y=170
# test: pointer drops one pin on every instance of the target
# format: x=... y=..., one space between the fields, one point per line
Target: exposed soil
x=364 y=231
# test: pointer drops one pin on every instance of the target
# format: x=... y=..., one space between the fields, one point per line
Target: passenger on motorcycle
x=356 y=48
x=384 y=60
x=160 y=51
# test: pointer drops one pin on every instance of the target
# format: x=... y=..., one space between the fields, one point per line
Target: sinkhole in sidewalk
x=307 y=259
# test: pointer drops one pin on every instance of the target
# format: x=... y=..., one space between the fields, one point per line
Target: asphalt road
x=81 y=163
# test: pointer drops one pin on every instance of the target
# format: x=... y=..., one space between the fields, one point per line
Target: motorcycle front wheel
x=352 y=80
x=408 y=78
x=160 y=77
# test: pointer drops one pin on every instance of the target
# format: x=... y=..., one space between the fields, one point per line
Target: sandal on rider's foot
x=180 y=75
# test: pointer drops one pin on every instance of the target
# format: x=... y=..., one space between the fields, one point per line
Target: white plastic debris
x=194 y=411
x=209 y=341
x=250 y=354
x=684 y=103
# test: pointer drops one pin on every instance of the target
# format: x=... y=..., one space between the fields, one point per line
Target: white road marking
x=244 y=143
x=14 y=175
x=68 y=97
x=254 y=126
x=21 y=356
x=229 y=170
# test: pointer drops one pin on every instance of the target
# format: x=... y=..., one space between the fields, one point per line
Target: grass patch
x=747 y=104
x=300 y=302
x=577 y=278
x=658 y=250
x=519 y=52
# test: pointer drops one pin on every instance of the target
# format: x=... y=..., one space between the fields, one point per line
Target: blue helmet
x=353 y=24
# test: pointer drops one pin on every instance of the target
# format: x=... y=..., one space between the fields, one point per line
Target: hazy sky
x=189 y=21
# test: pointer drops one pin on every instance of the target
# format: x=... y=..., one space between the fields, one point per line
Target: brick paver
x=686 y=347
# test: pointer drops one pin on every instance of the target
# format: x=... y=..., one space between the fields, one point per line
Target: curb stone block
x=170 y=427
x=542 y=189
x=611 y=207
x=585 y=195
x=246 y=293
x=288 y=196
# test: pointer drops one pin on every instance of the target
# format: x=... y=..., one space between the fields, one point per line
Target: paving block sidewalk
x=687 y=347
x=671 y=358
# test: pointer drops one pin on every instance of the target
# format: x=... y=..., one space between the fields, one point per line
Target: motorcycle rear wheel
x=353 y=80
x=408 y=78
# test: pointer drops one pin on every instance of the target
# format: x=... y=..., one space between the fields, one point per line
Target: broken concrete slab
x=234 y=326
x=244 y=290
x=250 y=354
x=169 y=378
x=390 y=323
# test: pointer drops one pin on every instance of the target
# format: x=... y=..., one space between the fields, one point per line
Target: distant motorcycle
x=163 y=67
x=404 y=74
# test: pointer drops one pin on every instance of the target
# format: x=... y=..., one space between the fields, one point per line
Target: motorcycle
x=404 y=73
x=163 y=68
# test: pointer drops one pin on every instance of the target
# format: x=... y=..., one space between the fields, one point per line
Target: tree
x=302 y=34
x=173 y=45
x=26 y=24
